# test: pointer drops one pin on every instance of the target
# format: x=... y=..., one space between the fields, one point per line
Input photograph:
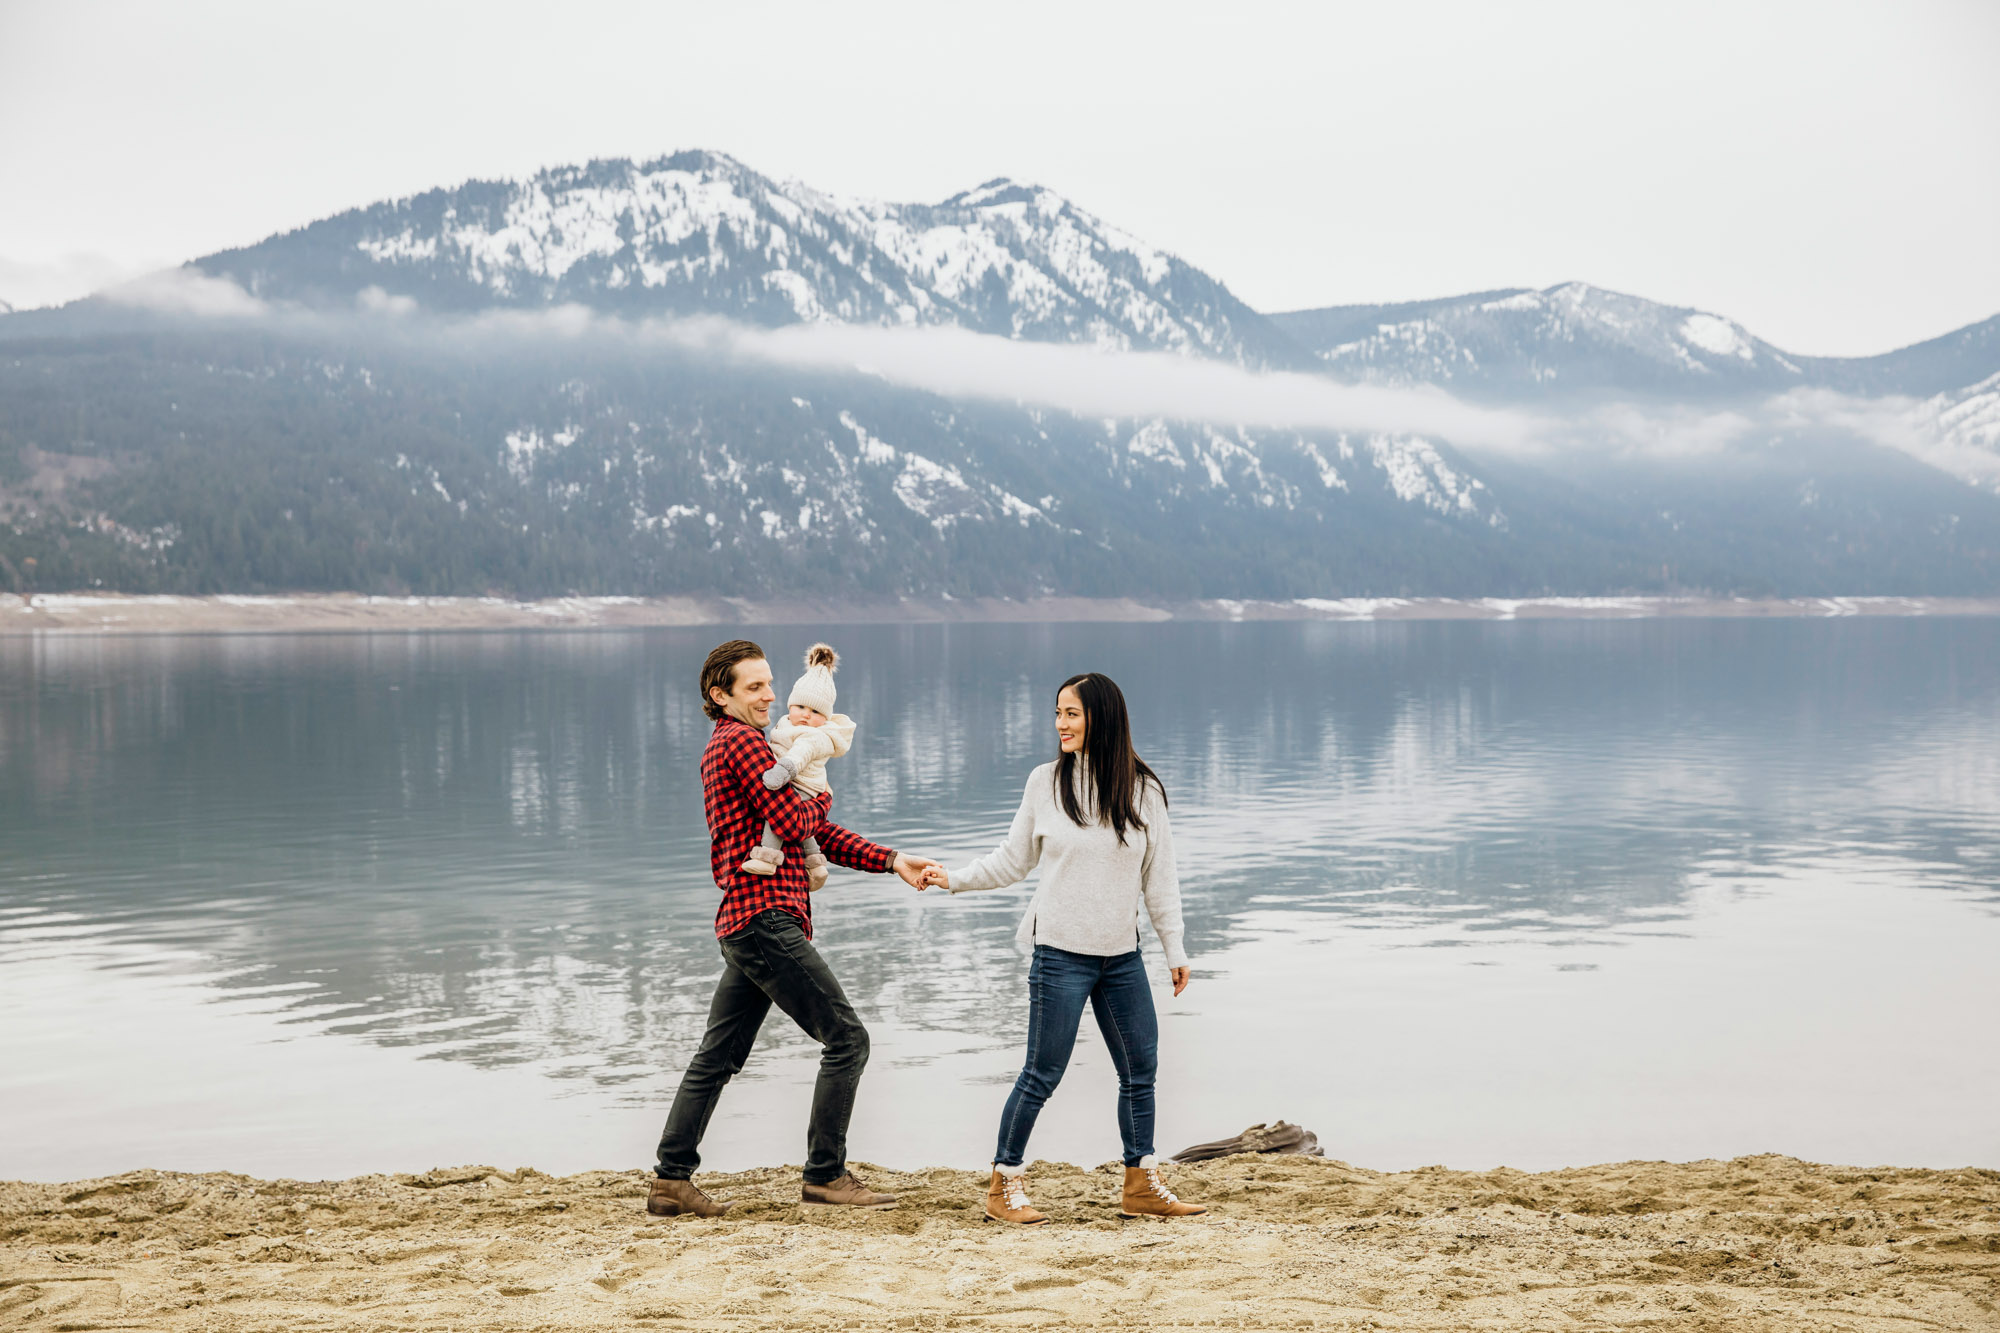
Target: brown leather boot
x=847 y=1192
x=1007 y=1200
x=680 y=1198
x=1147 y=1195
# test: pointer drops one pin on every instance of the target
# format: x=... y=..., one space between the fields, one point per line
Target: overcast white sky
x=1826 y=172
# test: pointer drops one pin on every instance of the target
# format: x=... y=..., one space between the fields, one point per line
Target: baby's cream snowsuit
x=802 y=753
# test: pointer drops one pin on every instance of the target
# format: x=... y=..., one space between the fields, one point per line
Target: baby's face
x=802 y=716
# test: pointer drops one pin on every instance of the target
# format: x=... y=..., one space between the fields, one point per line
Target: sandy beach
x=1751 y=1244
x=122 y=613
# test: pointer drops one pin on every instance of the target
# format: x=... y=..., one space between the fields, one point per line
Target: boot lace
x=1159 y=1186
x=1017 y=1192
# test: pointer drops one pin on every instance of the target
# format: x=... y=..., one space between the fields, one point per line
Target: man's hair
x=719 y=671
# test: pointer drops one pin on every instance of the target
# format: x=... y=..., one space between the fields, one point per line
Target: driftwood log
x=1277 y=1137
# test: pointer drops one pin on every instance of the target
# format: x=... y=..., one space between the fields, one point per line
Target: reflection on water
x=488 y=849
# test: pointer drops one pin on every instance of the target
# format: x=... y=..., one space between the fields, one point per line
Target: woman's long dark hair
x=1116 y=770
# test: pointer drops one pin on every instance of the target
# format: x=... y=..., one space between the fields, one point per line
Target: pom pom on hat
x=815 y=688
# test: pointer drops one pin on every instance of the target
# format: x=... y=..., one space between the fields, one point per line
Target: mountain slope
x=1938 y=365
x=1319 y=331
x=238 y=463
x=153 y=447
x=1960 y=431
x=1572 y=338
x=700 y=233
x=1575 y=340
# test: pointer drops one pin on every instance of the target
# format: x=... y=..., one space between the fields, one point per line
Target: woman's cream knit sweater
x=1091 y=887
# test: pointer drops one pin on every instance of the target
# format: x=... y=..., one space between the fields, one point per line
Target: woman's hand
x=936 y=877
x=1180 y=976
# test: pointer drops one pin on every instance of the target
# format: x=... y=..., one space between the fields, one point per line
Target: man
x=764 y=926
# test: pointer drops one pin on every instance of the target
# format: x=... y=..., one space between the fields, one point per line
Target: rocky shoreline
x=1758 y=1243
x=121 y=613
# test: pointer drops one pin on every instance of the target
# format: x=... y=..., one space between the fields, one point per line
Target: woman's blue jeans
x=1058 y=983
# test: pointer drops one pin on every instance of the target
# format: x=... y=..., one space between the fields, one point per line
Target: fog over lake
x=1538 y=893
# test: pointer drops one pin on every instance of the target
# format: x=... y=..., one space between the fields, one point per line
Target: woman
x=1095 y=820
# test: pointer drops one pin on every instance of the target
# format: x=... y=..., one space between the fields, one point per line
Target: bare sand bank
x=120 y=613
x=1759 y=1243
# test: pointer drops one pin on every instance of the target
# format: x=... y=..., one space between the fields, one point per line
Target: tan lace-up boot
x=1007 y=1200
x=1147 y=1195
x=847 y=1192
x=680 y=1198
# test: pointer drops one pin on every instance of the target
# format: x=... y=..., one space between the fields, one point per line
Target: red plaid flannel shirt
x=739 y=805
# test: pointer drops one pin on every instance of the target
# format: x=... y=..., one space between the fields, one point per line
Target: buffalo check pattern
x=739 y=805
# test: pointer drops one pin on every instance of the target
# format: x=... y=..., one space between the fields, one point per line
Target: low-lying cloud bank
x=1090 y=381
x=189 y=291
x=1100 y=382
x=947 y=361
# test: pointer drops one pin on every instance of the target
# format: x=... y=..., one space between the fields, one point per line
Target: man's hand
x=910 y=869
x=1180 y=976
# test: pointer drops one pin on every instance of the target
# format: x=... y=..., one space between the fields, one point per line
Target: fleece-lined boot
x=1007 y=1199
x=1147 y=1195
x=764 y=860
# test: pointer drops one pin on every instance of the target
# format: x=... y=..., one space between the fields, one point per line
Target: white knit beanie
x=815 y=687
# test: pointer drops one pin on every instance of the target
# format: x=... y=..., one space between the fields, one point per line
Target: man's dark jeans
x=770 y=961
x=1058 y=983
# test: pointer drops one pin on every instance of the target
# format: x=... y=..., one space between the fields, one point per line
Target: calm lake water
x=1532 y=893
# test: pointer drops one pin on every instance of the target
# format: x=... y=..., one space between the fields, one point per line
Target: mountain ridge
x=1343 y=323
x=697 y=232
x=154 y=448
x=1574 y=336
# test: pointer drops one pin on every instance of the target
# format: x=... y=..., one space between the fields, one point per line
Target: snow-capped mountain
x=1572 y=338
x=235 y=451
x=699 y=232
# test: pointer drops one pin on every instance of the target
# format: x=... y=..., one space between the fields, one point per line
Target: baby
x=809 y=734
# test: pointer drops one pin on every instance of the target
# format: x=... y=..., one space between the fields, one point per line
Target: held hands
x=915 y=870
x=936 y=878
